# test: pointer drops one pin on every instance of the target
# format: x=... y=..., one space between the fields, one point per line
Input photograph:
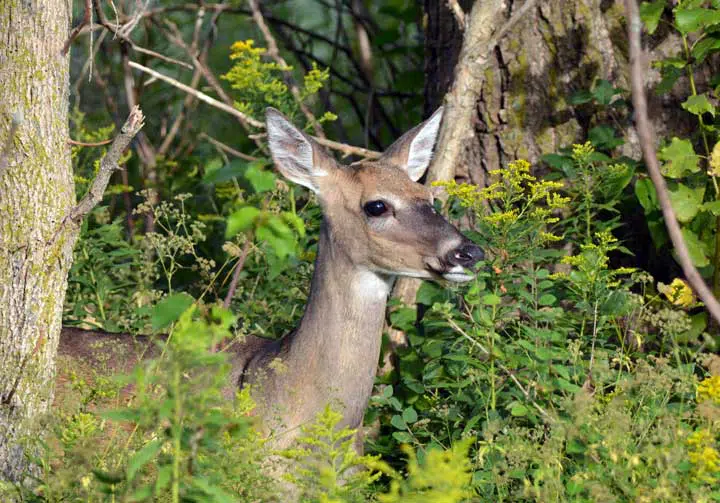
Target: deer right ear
x=296 y=155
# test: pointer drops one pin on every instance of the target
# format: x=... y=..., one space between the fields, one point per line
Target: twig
x=108 y=165
x=457 y=12
x=495 y=40
x=340 y=147
x=228 y=149
x=274 y=53
x=236 y=273
x=199 y=95
x=647 y=142
x=76 y=31
x=70 y=141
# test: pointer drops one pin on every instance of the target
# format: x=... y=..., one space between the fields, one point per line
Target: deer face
x=377 y=213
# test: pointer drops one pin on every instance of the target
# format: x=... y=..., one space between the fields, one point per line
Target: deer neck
x=337 y=345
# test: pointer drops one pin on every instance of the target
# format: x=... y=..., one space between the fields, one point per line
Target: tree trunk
x=555 y=50
x=36 y=193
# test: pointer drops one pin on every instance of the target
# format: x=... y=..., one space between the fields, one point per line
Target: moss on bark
x=36 y=192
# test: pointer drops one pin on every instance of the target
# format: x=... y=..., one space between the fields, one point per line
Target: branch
x=226 y=148
x=108 y=165
x=340 y=147
x=236 y=273
x=457 y=12
x=647 y=142
x=76 y=31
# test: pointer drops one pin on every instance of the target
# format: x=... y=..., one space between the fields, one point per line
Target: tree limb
x=108 y=166
x=647 y=144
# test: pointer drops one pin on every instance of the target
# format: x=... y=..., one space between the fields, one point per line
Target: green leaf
x=712 y=206
x=680 y=158
x=698 y=105
x=686 y=201
x=603 y=92
x=295 y=222
x=704 y=47
x=650 y=13
x=689 y=20
x=231 y=170
x=409 y=415
x=398 y=422
x=547 y=299
x=645 y=192
x=430 y=293
x=402 y=436
x=261 y=180
x=241 y=220
x=143 y=457
x=491 y=300
x=697 y=249
x=580 y=97
x=519 y=410
x=169 y=309
x=125 y=414
x=604 y=137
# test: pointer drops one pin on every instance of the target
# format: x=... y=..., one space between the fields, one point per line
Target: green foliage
x=549 y=360
x=692 y=177
x=325 y=466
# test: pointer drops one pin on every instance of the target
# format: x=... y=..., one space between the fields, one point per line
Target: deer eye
x=375 y=208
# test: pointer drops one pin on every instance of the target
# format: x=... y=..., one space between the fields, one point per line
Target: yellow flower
x=709 y=389
x=715 y=161
x=678 y=292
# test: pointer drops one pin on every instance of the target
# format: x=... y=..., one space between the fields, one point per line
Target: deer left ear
x=414 y=150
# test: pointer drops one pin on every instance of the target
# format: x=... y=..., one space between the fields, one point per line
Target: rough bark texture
x=557 y=49
x=36 y=193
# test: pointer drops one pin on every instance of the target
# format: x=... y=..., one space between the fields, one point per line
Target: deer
x=378 y=223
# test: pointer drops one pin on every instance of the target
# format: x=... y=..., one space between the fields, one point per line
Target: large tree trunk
x=555 y=50
x=36 y=193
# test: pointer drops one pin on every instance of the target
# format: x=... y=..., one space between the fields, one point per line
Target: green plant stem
x=177 y=434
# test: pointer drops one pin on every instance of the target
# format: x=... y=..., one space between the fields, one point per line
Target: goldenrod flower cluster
x=257 y=80
x=678 y=292
x=704 y=456
x=709 y=389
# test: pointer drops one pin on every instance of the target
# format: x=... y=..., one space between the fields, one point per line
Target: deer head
x=377 y=213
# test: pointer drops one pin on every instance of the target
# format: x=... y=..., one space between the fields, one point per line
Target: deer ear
x=414 y=150
x=297 y=156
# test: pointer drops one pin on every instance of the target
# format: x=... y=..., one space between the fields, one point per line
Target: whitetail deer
x=378 y=223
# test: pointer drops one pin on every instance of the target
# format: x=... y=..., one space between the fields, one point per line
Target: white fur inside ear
x=291 y=151
x=421 y=148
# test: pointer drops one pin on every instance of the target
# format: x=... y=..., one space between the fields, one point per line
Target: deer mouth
x=453 y=273
x=458 y=274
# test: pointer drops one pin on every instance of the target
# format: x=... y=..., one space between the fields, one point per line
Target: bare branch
x=457 y=12
x=108 y=166
x=76 y=31
x=236 y=273
x=340 y=147
x=495 y=40
x=647 y=143
x=199 y=95
x=86 y=144
x=226 y=148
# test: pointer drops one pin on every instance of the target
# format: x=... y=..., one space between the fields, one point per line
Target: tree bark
x=36 y=194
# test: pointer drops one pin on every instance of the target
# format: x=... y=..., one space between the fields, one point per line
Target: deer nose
x=465 y=255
